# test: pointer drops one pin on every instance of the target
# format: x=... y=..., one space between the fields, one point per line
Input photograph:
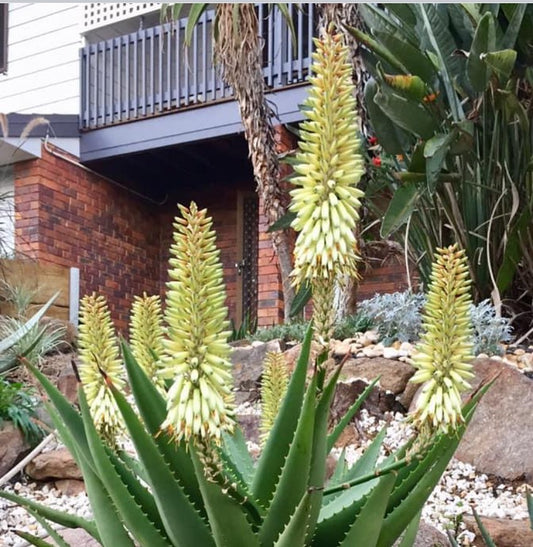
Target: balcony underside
x=184 y=126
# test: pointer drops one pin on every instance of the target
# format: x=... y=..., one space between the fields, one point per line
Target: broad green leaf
x=227 y=519
x=484 y=41
x=294 y=478
x=410 y=115
x=389 y=135
x=515 y=23
x=462 y=26
x=435 y=152
x=400 y=208
x=409 y=85
x=377 y=19
x=196 y=11
x=136 y=521
x=502 y=62
x=404 y=13
x=302 y=297
x=281 y=437
x=367 y=525
x=181 y=519
x=282 y=223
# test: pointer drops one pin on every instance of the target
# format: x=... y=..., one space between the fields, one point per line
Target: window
x=4 y=9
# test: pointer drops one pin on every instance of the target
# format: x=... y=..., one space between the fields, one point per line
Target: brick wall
x=66 y=215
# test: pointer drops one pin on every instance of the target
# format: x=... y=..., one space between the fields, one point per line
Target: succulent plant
x=100 y=361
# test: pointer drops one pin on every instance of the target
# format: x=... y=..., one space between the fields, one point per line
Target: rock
x=56 y=464
x=340 y=348
x=504 y=532
x=248 y=368
x=428 y=536
x=292 y=354
x=499 y=439
x=13 y=446
x=250 y=426
x=368 y=337
x=67 y=383
x=377 y=403
x=394 y=374
x=391 y=353
x=406 y=398
x=70 y=487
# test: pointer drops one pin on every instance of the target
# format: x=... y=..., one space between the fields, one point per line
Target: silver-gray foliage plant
x=398 y=316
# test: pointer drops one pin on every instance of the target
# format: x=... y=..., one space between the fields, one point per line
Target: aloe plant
x=192 y=480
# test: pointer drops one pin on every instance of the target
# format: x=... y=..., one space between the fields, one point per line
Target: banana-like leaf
x=404 y=13
x=182 y=521
x=378 y=20
x=462 y=26
x=502 y=62
x=366 y=528
x=410 y=85
x=390 y=136
x=516 y=13
x=350 y=413
x=303 y=296
x=152 y=408
x=226 y=517
x=294 y=478
x=411 y=57
x=281 y=436
x=136 y=520
x=400 y=208
x=196 y=11
x=484 y=41
x=435 y=152
x=410 y=115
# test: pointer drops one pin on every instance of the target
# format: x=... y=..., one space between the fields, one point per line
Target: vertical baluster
x=151 y=37
x=186 y=67
x=282 y=41
x=195 y=64
x=212 y=68
x=136 y=84
x=178 y=64
x=300 y=45
x=118 y=43
x=169 y=64
x=104 y=78
x=270 y=48
x=310 y=30
x=96 y=86
x=143 y=73
x=88 y=103
x=127 y=77
x=159 y=53
x=204 y=56
x=111 y=80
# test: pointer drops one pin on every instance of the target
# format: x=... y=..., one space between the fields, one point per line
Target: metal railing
x=152 y=71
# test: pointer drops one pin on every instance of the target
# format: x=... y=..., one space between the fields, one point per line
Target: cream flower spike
x=329 y=167
x=445 y=349
x=199 y=402
x=98 y=352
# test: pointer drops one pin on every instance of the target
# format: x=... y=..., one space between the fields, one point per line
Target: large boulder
x=13 y=446
x=56 y=464
x=499 y=439
x=248 y=368
x=504 y=532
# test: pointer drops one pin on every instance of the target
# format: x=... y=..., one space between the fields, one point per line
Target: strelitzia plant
x=193 y=486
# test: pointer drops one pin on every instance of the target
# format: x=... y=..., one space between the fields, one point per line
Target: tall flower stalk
x=199 y=402
x=328 y=168
x=99 y=361
x=274 y=383
x=146 y=335
x=445 y=350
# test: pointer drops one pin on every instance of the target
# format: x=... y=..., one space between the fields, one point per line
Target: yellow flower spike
x=146 y=335
x=200 y=401
x=445 y=349
x=98 y=352
x=273 y=388
x=328 y=169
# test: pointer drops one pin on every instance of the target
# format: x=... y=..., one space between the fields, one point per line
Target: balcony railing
x=152 y=71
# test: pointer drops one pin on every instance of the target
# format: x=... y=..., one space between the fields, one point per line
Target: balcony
x=151 y=73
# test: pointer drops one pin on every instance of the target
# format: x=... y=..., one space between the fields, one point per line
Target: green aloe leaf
x=303 y=296
x=484 y=41
x=409 y=537
x=237 y=451
x=295 y=531
x=294 y=478
x=283 y=223
x=181 y=519
x=136 y=520
x=33 y=540
x=277 y=446
x=350 y=413
x=152 y=408
x=529 y=500
x=59 y=541
x=489 y=542
x=226 y=516
x=367 y=525
x=402 y=204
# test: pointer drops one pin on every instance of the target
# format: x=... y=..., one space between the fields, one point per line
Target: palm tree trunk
x=238 y=51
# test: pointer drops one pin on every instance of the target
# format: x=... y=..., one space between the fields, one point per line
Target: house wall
x=43 y=59
x=68 y=216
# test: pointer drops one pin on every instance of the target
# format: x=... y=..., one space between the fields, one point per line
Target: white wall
x=43 y=59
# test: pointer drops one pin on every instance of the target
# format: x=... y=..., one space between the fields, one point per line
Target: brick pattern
x=389 y=277
x=66 y=215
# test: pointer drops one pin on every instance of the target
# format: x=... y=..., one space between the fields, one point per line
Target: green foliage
x=466 y=141
x=18 y=404
x=246 y=329
x=287 y=332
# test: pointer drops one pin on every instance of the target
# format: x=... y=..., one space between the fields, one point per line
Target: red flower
x=376 y=161
x=373 y=140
